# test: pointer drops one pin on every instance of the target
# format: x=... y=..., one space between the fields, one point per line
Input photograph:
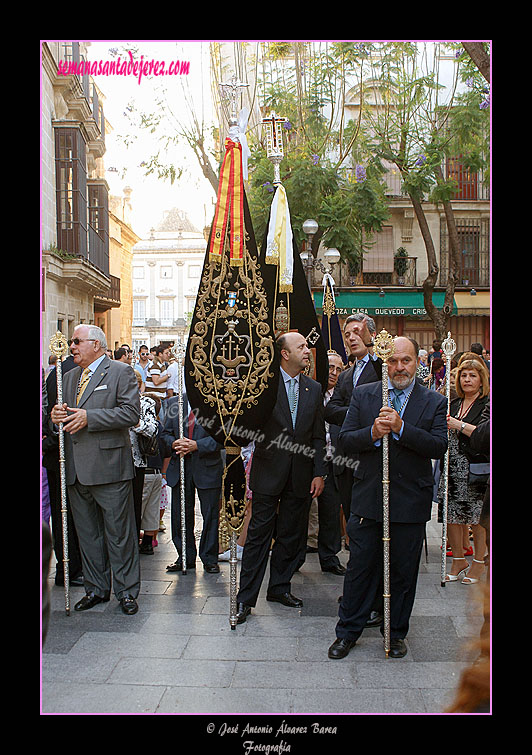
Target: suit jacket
x=424 y=438
x=204 y=465
x=283 y=452
x=101 y=452
x=338 y=404
x=480 y=411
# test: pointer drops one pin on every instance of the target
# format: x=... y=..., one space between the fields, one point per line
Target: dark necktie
x=191 y=420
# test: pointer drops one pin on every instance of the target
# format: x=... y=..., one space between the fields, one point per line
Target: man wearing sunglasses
x=101 y=402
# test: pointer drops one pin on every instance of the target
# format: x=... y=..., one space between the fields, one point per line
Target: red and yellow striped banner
x=229 y=204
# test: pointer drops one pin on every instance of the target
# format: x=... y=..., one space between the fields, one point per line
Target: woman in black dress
x=465 y=494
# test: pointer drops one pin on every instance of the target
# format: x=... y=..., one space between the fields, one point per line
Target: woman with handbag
x=468 y=472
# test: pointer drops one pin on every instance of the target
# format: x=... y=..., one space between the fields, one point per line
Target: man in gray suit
x=101 y=402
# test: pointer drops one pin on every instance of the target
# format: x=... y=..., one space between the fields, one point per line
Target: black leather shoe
x=89 y=601
x=243 y=612
x=147 y=550
x=341 y=647
x=336 y=569
x=177 y=566
x=398 y=649
x=287 y=599
x=128 y=605
x=375 y=619
x=311 y=549
x=211 y=568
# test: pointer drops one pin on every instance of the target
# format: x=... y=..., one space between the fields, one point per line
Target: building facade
x=389 y=284
x=166 y=271
x=74 y=196
x=86 y=233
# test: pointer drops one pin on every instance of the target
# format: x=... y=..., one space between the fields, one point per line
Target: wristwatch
x=462 y=427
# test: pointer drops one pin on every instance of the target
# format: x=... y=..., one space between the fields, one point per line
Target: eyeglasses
x=77 y=341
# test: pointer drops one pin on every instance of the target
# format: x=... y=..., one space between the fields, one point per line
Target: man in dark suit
x=329 y=535
x=203 y=473
x=287 y=471
x=101 y=404
x=359 y=332
x=417 y=429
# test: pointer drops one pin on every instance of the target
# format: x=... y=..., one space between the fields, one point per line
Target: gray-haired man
x=101 y=403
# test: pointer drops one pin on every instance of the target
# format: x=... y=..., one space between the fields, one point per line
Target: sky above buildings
x=185 y=86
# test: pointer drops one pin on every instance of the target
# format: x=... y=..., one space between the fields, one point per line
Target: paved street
x=178 y=654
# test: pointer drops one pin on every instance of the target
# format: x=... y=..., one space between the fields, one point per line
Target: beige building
x=166 y=274
x=86 y=244
x=117 y=322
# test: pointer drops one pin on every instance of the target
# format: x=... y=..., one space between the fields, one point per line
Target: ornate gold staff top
x=384 y=348
x=59 y=347
x=448 y=347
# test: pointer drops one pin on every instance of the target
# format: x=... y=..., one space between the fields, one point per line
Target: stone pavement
x=178 y=654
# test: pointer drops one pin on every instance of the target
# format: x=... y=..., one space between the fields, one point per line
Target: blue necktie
x=292 y=399
x=359 y=366
x=397 y=397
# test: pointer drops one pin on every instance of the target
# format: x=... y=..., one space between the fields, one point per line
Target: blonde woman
x=466 y=493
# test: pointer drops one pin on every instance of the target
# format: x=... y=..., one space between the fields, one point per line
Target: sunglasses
x=77 y=341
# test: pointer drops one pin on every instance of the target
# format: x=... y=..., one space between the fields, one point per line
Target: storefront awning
x=479 y=304
x=393 y=303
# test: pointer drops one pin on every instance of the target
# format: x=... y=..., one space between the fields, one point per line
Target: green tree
x=416 y=130
x=306 y=84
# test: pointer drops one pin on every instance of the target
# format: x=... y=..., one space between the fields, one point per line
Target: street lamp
x=332 y=256
x=310 y=227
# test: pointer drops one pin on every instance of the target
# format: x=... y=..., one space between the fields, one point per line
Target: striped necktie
x=292 y=399
x=85 y=377
x=359 y=366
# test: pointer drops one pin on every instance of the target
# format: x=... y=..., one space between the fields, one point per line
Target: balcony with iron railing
x=70 y=53
x=345 y=276
x=469 y=186
x=110 y=298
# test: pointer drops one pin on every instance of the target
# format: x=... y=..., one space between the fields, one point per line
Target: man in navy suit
x=203 y=473
x=287 y=471
x=367 y=368
x=417 y=429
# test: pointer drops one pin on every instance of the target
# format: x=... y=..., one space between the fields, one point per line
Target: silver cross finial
x=230 y=91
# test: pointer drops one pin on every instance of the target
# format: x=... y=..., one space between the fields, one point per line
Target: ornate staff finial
x=58 y=344
x=384 y=345
x=229 y=91
x=448 y=345
x=274 y=142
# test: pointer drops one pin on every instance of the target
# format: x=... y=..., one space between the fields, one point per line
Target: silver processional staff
x=384 y=348
x=59 y=347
